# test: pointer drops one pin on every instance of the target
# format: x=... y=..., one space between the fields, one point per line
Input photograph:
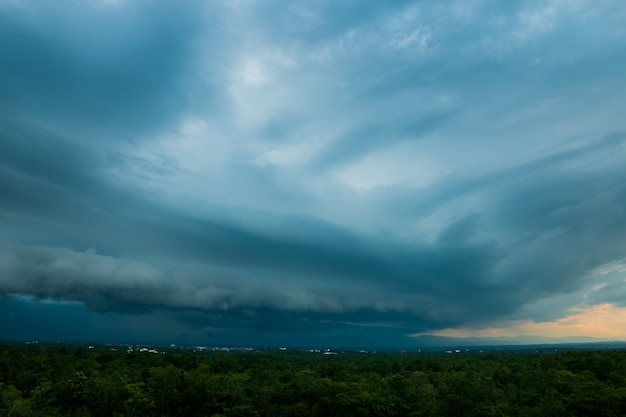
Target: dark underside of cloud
x=101 y=234
x=551 y=229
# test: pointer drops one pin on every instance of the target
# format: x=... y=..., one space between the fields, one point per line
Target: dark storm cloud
x=122 y=68
x=189 y=167
x=321 y=261
x=322 y=274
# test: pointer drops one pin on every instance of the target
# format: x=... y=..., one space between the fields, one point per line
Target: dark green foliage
x=64 y=381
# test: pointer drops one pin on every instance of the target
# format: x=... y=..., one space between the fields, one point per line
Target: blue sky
x=313 y=171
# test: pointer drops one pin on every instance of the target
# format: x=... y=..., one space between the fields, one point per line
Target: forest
x=82 y=381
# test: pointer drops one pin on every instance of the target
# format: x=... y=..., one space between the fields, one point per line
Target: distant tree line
x=47 y=381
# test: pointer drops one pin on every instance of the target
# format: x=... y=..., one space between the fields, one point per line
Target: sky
x=312 y=173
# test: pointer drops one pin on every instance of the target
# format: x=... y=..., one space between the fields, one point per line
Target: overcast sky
x=294 y=172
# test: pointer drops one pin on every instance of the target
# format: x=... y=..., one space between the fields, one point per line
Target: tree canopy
x=38 y=380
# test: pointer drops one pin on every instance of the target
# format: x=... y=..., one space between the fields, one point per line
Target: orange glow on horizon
x=605 y=321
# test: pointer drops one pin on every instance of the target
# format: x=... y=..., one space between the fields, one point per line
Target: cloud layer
x=337 y=170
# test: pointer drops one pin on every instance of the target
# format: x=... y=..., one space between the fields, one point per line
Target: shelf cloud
x=244 y=172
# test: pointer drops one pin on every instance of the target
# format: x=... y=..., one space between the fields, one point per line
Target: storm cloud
x=244 y=172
